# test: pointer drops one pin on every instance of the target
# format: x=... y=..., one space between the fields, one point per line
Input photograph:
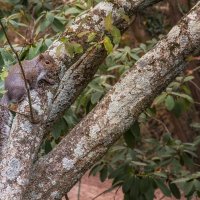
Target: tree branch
x=22 y=71
x=92 y=137
x=76 y=78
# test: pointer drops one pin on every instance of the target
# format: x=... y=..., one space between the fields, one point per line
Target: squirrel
x=41 y=68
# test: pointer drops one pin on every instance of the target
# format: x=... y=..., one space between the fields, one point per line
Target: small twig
x=104 y=192
x=22 y=70
x=79 y=190
x=159 y=121
x=195 y=85
x=179 y=8
x=162 y=197
x=116 y=192
x=66 y=197
x=196 y=102
x=196 y=69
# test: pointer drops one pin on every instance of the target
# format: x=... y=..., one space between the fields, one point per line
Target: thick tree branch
x=92 y=137
x=77 y=77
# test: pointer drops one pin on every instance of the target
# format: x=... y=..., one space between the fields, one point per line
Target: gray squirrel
x=41 y=68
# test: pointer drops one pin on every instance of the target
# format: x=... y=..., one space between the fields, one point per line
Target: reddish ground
x=92 y=186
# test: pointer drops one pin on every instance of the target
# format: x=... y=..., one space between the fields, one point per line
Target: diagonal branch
x=92 y=137
x=76 y=78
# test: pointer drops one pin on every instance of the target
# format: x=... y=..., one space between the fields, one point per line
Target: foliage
x=137 y=163
x=141 y=165
x=140 y=172
x=35 y=25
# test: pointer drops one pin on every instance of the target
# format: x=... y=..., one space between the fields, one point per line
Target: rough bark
x=74 y=81
x=54 y=174
x=5 y=126
x=25 y=138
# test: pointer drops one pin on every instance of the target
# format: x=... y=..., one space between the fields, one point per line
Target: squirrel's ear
x=41 y=56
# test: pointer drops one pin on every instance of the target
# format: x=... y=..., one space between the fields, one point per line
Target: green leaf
x=59 y=49
x=58 y=128
x=48 y=42
x=103 y=174
x=136 y=131
x=179 y=78
x=149 y=194
x=124 y=16
x=169 y=102
x=96 y=97
x=72 y=10
x=144 y=185
x=95 y=86
x=73 y=48
x=181 y=180
x=186 y=159
x=142 y=118
x=185 y=96
x=69 y=49
x=179 y=107
x=134 y=56
x=2 y=36
x=137 y=163
x=143 y=47
x=108 y=44
x=175 y=190
x=7 y=57
x=57 y=25
x=127 y=184
x=91 y=37
x=188 y=78
x=50 y=17
x=134 y=191
x=129 y=138
x=151 y=112
x=118 y=148
x=108 y=22
x=4 y=73
x=165 y=190
x=34 y=51
x=126 y=197
x=42 y=26
x=81 y=34
x=96 y=168
x=14 y=23
x=188 y=188
x=77 y=48
x=159 y=99
x=196 y=184
x=2 y=91
x=115 y=32
x=14 y=16
x=159 y=174
x=47 y=146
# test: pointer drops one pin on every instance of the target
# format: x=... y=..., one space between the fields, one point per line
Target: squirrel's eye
x=47 y=62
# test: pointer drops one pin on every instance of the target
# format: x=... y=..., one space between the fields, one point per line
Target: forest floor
x=91 y=187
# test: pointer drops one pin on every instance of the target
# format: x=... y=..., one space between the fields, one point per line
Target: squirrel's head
x=47 y=61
